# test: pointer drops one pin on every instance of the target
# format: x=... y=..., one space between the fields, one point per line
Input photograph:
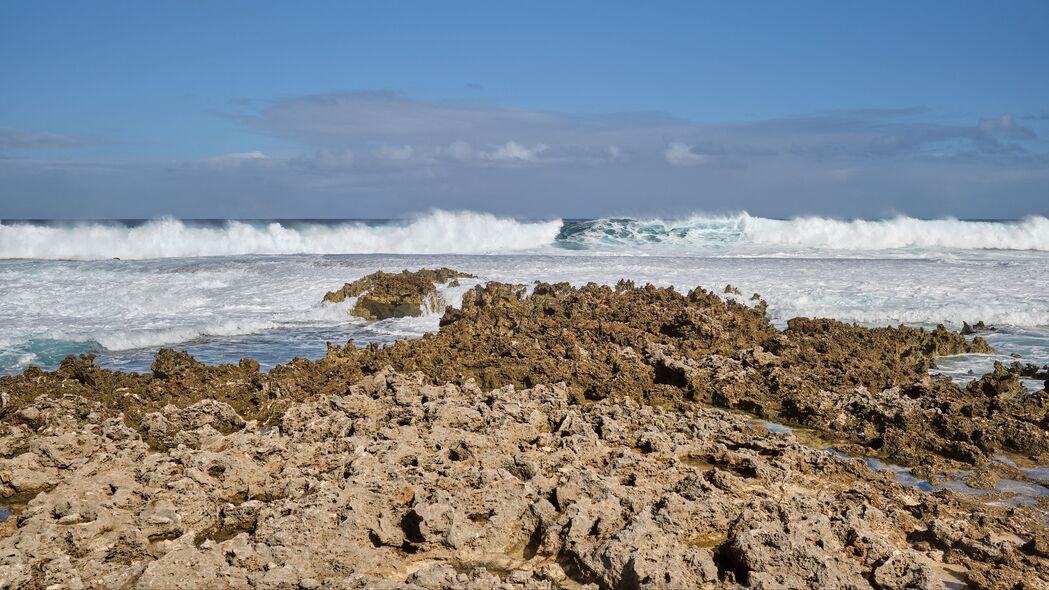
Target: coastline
x=601 y=413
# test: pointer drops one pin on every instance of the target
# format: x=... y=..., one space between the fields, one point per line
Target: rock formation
x=573 y=437
x=382 y=295
x=397 y=483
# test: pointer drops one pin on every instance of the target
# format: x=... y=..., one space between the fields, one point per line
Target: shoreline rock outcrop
x=399 y=483
x=383 y=295
x=867 y=390
x=569 y=437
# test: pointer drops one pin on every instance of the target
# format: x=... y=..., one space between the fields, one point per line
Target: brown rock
x=868 y=388
x=382 y=295
x=394 y=482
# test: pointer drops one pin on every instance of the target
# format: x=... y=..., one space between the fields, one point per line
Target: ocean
x=224 y=289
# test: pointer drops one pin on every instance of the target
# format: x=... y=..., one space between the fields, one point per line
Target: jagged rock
x=865 y=387
x=562 y=438
x=1032 y=371
x=398 y=483
x=172 y=365
x=793 y=547
x=902 y=571
x=382 y=295
x=970 y=329
x=162 y=429
x=1002 y=381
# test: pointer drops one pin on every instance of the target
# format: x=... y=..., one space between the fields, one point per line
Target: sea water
x=224 y=290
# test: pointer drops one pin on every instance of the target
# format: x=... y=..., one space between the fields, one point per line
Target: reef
x=383 y=295
x=553 y=437
x=868 y=389
x=397 y=483
x=975 y=328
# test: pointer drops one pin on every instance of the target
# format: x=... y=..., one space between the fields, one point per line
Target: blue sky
x=354 y=109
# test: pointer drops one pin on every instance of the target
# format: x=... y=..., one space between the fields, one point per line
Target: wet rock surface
x=398 y=483
x=563 y=438
x=382 y=295
x=975 y=328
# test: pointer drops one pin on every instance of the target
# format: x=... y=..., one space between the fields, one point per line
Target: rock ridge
x=383 y=295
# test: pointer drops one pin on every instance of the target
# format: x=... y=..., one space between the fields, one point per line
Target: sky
x=534 y=109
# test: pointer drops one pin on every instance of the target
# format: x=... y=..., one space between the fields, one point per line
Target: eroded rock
x=382 y=295
x=400 y=483
x=866 y=389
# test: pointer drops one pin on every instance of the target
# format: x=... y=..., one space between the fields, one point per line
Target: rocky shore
x=384 y=295
x=548 y=437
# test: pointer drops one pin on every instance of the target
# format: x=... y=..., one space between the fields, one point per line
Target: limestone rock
x=398 y=483
x=382 y=295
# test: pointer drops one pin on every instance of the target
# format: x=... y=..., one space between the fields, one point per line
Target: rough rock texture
x=563 y=439
x=176 y=378
x=866 y=390
x=864 y=387
x=382 y=295
x=970 y=329
x=395 y=482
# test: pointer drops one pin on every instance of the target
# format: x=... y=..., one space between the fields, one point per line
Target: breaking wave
x=443 y=232
x=818 y=233
x=439 y=232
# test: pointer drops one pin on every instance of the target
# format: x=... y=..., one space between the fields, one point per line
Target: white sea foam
x=443 y=232
x=439 y=232
x=1031 y=233
x=269 y=308
x=117 y=339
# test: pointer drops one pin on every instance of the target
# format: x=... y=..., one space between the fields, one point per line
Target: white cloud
x=681 y=154
x=1004 y=126
x=237 y=159
x=459 y=150
x=1004 y=121
x=400 y=153
x=452 y=131
x=242 y=156
x=349 y=148
x=513 y=151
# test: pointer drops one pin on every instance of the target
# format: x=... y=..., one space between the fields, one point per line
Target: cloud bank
x=22 y=139
x=378 y=154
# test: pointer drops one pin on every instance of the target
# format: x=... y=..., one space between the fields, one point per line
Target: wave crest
x=702 y=233
x=439 y=232
x=444 y=232
x=1031 y=233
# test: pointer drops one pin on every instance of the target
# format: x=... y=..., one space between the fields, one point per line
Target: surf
x=699 y=233
x=468 y=232
x=437 y=232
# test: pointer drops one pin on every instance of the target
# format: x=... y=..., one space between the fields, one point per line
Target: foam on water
x=269 y=306
x=901 y=232
x=444 y=232
x=226 y=308
x=436 y=232
x=745 y=234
